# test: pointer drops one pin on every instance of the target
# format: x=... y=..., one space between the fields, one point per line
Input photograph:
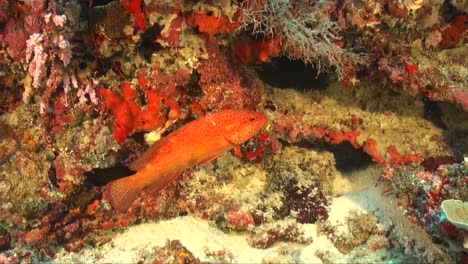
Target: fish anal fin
x=121 y=194
x=141 y=162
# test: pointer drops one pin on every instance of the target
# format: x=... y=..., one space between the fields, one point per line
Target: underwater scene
x=234 y=131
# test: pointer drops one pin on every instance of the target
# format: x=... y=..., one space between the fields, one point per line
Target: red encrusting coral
x=130 y=118
x=411 y=68
x=336 y=137
x=397 y=159
x=212 y=24
x=172 y=35
x=258 y=153
x=452 y=34
x=293 y=129
x=128 y=92
x=257 y=51
x=349 y=76
x=256 y=148
x=161 y=91
x=371 y=148
x=135 y=7
x=125 y=112
x=395 y=8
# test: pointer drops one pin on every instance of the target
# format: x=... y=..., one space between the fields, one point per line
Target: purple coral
x=307 y=202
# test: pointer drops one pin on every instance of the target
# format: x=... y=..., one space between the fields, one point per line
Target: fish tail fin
x=121 y=193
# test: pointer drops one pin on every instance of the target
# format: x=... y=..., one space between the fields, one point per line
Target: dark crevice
x=448 y=12
x=433 y=113
x=100 y=67
x=100 y=2
x=283 y=72
x=148 y=45
x=193 y=88
x=347 y=157
x=101 y=177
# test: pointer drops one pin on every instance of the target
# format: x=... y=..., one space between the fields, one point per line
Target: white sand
x=137 y=242
x=195 y=234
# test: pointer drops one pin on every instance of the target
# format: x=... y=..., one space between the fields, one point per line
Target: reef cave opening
x=284 y=72
x=347 y=158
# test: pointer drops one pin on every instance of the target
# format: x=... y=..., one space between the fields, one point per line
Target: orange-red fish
x=197 y=142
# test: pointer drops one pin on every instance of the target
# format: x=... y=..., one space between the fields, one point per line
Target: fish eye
x=252 y=119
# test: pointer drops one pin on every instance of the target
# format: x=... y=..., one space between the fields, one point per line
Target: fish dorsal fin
x=141 y=162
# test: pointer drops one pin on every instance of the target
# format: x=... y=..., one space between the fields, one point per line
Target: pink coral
x=65 y=50
x=433 y=39
x=238 y=219
x=37 y=57
x=459 y=96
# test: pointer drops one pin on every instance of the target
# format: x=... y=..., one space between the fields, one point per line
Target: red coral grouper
x=197 y=142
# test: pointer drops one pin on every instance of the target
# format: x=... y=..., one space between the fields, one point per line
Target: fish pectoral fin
x=232 y=141
x=238 y=152
x=206 y=161
x=141 y=162
x=159 y=185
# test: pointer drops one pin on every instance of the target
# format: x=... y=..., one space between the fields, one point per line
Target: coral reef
x=427 y=191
